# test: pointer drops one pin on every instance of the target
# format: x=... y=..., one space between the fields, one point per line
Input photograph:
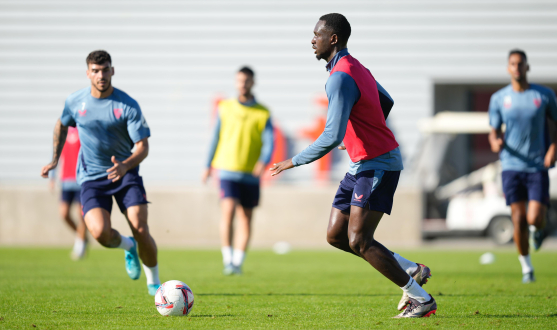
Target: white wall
x=175 y=56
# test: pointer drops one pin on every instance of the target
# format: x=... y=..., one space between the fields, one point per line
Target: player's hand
x=341 y=148
x=549 y=159
x=496 y=145
x=282 y=166
x=117 y=171
x=206 y=175
x=47 y=168
x=258 y=169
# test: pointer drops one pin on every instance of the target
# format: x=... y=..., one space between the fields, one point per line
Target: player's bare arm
x=550 y=155
x=120 y=168
x=60 y=133
x=495 y=140
x=258 y=169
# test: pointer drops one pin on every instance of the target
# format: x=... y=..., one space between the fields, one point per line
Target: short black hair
x=247 y=70
x=98 y=57
x=339 y=25
x=519 y=52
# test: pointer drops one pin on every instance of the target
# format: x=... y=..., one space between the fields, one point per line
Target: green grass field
x=44 y=289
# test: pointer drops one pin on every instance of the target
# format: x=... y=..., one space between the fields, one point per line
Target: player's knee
x=357 y=243
x=334 y=240
x=141 y=230
x=102 y=236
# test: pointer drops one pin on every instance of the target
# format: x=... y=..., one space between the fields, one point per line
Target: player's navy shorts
x=128 y=191
x=247 y=194
x=368 y=189
x=71 y=195
x=524 y=186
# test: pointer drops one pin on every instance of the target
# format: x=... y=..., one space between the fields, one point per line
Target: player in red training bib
x=358 y=106
x=71 y=191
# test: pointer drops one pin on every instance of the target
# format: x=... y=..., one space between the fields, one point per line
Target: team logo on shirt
x=537 y=102
x=507 y=102
x=83 y=111
x=118 y=113
x=358 y=198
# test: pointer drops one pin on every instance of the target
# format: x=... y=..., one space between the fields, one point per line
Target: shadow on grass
x=295 y=294
x=365 y=294
x=498 y=316
x=211 y=316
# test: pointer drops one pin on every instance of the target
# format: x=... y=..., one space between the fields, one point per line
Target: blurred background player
x=110 y=124
x=357 y=116
x=71 y=191
x=242 y=146
x=526 y=150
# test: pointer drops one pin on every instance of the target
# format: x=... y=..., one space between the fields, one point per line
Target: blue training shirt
x=107 y=127
x=524 y=113
x=343 y=93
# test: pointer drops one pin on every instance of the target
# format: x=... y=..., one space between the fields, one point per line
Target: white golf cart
x=472 y=204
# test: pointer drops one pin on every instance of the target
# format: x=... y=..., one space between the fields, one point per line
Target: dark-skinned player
x=355 y=116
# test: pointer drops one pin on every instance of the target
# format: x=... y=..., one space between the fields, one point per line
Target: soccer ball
x=174 y=298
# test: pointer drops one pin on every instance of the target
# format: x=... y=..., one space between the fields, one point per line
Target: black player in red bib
x=357 y=117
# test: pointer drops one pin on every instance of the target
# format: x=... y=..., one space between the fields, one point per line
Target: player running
x=355 y=115
x=71 y=191
x=110 y=124
x=241 y=148
x=526 y=153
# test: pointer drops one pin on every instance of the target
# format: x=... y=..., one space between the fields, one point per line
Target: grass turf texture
x=43 y=289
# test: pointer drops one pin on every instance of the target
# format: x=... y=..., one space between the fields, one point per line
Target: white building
x=175 y=57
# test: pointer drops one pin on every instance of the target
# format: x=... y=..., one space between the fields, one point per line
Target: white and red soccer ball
x=174 y=298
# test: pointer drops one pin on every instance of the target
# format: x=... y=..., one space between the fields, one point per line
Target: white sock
x=152 y=274
x=415 y=291
x=408 y=266
x=526 y=264
x=126 y=243
x=226 y=255
x=238 y=258
x=79 y=247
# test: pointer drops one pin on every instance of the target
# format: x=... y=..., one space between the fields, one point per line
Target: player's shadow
x=211 y=316
x=501 y=316
x=297 y=294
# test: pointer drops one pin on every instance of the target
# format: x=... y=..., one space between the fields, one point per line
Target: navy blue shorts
x=369 y=189
x=523 y=186
x=247 y=194
x=128 y=191
x=69 y=196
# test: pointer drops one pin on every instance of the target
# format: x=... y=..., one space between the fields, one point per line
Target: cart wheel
x=501 y=230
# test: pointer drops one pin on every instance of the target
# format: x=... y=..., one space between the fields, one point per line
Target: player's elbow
x=337 y=140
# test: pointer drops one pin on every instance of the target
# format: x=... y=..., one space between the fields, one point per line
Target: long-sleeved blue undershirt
x=343 y=93
x=267 y=138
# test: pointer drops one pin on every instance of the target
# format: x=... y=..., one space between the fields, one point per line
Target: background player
x=526 y=153
x=71 y=191
x=355 y=115
x=110 y=123
x=242 y=146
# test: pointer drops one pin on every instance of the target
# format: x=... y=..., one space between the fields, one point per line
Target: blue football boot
x=528 y=278
x=536 y=237
x=152 y=288
x=133 y=266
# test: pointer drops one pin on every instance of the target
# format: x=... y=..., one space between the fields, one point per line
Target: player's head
x=245 y=81
x=518 y=65
x=331 y=32
x=100 y=70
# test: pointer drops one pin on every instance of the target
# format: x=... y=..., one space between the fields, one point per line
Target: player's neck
x=101 y=95
x=334 y=52
x=245 y=98
x=520 y=85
